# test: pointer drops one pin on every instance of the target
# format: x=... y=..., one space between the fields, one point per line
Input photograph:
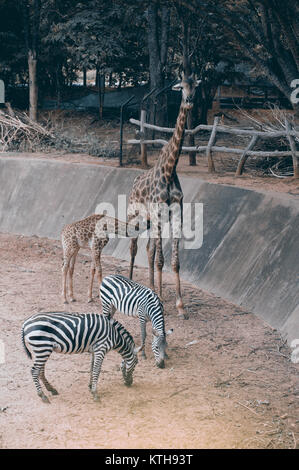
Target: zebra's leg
x=108 y=309
x=133 y=251
x=91 y=369
x=143 y=336
x=71 y=273
x=98 y=357
x=112 y=311
x=151 y=252
x=38 y=365
x=47 y=384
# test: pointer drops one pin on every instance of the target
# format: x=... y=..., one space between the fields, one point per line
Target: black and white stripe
x=120 y=293
x=70 y=333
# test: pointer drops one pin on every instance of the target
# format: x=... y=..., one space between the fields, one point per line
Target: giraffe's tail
x=110 y=225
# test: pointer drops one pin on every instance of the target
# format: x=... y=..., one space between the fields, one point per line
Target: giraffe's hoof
x=72 y=299
x=65 y=302
x=181 y=311
x=90 y=301
x=183 y=316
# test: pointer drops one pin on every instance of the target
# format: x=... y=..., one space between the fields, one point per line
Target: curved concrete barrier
x=250 y=250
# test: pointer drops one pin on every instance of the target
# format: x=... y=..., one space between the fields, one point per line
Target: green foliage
x=102 y=35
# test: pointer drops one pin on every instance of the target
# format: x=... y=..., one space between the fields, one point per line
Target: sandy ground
x=233 y=387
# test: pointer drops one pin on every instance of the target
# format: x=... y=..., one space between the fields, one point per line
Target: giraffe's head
x=187 y=85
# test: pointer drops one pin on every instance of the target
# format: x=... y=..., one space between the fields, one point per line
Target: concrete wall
x=250 y=251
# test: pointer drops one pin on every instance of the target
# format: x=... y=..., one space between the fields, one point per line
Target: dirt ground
x=228 y=383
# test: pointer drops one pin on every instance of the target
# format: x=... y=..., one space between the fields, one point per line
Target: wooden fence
x=288 y=133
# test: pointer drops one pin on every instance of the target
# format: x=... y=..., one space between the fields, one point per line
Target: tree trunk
x=33 y=88
x=157 y=59
x=58 y=84
x=101 y=81
x=31 y=36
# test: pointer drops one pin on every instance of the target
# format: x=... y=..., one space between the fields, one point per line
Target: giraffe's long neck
x=171 y=151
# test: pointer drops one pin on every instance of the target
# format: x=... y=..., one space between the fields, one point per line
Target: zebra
x=120 y=293
x=70 y=333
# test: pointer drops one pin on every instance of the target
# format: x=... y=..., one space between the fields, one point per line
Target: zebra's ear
x=169 y=332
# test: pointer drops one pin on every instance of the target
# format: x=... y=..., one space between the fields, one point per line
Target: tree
x=12 y=51
x=201 y=49
x=99 y=35
x=31 y=19
x=158 y=16
x=266 y=32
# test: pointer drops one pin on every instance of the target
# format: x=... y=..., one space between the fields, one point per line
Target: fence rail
x=289 y=134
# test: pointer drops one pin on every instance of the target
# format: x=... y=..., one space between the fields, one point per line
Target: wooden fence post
x=245 y=155
x=144 y=163
x=293 y=149
x=211 y=166
x=289 y=133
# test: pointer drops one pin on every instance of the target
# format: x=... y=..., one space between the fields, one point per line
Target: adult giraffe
x=161 y=184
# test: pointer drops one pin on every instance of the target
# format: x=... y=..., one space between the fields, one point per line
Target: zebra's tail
x=24 y=345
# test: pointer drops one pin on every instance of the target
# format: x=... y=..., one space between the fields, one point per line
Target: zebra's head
x=125 y=345
x=159 y=345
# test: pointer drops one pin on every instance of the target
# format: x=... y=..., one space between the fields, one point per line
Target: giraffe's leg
x=97 y=248
x=71 y=274
x=92 y=273
x=175 y=264
x=65 y=267
x=133 y=251
x=159 y=262
x=151 y=252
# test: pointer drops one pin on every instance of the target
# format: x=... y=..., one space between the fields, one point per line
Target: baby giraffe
x=93 y=231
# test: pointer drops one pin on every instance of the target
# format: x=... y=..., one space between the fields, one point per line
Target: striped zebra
x=70 y=333
x=120 y=293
